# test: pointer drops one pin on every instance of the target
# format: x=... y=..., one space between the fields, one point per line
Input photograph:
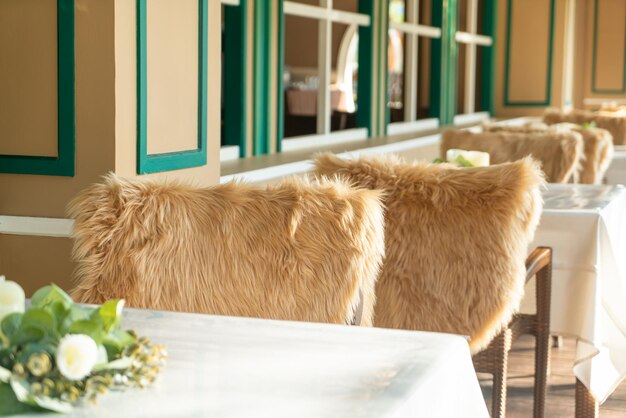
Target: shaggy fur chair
x=308 y=251
x=598 y=146
x=615 y=123
x=456 y=241
x=560 y=153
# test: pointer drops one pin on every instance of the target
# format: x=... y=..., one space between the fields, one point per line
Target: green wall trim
x=594 y=89
x=547 y=101
x=63 y=163
x=444 y=62
x=234 y=74
x=365 y=110
x=488 y=76
x=152 y=163
x=262 y=73
x=280 y=81
x=383 y=57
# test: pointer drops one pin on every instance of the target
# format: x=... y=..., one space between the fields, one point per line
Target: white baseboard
x=39 y=227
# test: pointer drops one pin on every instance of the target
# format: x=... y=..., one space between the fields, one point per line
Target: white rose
x=76 y=356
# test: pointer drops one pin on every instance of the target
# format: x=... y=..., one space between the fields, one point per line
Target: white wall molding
x=39 y=227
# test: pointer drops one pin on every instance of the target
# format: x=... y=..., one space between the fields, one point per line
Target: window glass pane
x=425 y=12
x=397 y=11
x=423 y=78
x=460 y=80
x=344 y=77
x=480 y=26
x=346 y=5
x=478 y=82
x=395 y=75
x=396 y=62
x=301 y=76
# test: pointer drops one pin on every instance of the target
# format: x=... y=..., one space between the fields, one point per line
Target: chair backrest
x=456 y=241
x=598 y=146
x=560 y=153
x=615 y=123
x=308 y=251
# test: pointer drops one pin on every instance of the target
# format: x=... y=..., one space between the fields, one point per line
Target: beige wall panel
x=530 y=31
x=126 y=97
x=28 y=77
x=172 y=75
x=48 y=196
x=34 y=262
x=611 y=35
x=558 y=53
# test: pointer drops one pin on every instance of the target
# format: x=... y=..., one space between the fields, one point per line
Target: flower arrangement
x=56 y=353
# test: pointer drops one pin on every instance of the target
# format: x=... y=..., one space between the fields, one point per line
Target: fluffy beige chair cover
x=456 y=241
x=598 y=146
x=560 y=153
x=614 y=123
x=297 y=251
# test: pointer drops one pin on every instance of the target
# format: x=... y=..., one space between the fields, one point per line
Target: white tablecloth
x=616 y=173
x=238 y=367
x=586 y=227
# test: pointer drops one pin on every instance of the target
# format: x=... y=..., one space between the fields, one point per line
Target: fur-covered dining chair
x=597 y=146
x=613 y=122
x=302 y=250
x=560 y=153
x=456 y=244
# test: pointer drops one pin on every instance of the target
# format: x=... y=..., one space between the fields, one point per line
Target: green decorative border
x=235 y=80
x=63 y=164
x=507 y=102
x=444 y=55
x=152 y=163
x=262 y=77
x=365 y=88
x=280 y=81
x=594 y=89
x=487 y=85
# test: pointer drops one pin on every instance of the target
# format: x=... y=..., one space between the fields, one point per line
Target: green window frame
x=64 y=163
x=152 y=163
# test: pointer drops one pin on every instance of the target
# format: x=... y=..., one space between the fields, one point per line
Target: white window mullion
x=324 y=60
x=412 y=54
x=470 y=57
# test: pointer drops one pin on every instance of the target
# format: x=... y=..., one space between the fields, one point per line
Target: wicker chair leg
x=586 y=405
x=500 y=373
x=542 y=360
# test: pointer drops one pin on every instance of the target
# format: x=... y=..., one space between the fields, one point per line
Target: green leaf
x=463 y=162
x=21 y=389
x=111 y=313
x=119 y=364
x=438 y=161
x=49 y=294
x=41 y=318
x=11 y=323
x=117 y=340
x=90 y=328
x=77 y=313
x=28 y=334
x=9 y=405
x=52 y=404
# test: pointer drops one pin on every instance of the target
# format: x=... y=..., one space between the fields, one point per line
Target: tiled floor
x=560 y=400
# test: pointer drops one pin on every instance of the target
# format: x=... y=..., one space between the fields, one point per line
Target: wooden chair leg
x=557 y=341
x=586 y=405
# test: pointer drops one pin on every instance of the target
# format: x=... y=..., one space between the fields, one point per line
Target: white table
x=239 y=367
x=586 y=227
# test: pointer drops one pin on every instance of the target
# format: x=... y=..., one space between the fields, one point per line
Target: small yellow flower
x=38 y=364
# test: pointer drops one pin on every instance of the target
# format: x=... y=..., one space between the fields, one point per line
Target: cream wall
x=105 y=114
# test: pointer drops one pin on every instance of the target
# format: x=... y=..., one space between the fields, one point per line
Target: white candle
x=12 y=297
x=476 y=158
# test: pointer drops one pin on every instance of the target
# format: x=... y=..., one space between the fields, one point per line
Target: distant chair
x=560 y=153
x=456 y=241
x=614 y=122
x=301 y=251
x=598 y=146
